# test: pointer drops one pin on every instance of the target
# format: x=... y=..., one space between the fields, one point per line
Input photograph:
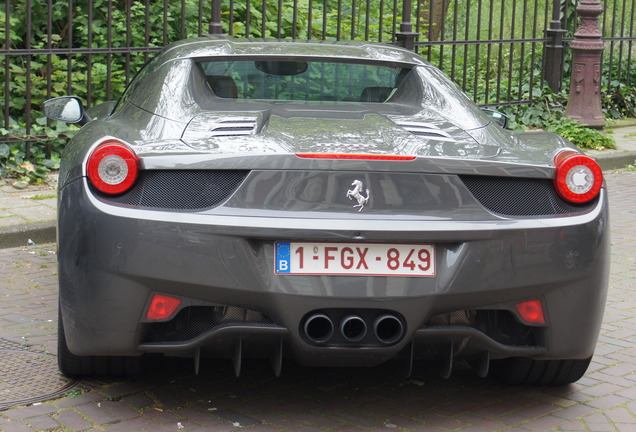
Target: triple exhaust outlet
x=386 y=329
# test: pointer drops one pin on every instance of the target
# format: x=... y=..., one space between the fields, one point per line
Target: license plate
x=355 y=259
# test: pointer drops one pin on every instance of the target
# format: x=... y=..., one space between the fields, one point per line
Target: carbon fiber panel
x=180 y=189
x=512 y=196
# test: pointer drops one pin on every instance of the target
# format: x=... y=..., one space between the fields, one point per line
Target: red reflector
x=355 y=156
x=113 y=167
x=531 y=311
x=162 y=306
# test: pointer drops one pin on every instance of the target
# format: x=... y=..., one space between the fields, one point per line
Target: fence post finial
x=406 y=36
x=215 y=21
x=553 y=64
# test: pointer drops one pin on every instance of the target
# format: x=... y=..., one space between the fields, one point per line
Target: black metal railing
x=500 y=52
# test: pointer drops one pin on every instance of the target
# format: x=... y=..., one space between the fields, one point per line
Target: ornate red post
x=585 y=87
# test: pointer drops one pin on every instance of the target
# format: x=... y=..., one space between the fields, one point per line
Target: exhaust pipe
x=388 y=329
x=353 y=328
x=319 y=328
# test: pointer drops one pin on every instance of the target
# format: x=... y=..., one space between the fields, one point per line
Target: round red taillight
x=578 y=178
x=112 y=167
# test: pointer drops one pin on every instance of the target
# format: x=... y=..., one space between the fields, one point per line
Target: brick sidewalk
x=170 y=398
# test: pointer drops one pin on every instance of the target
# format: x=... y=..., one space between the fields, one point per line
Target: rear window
x=302 y=80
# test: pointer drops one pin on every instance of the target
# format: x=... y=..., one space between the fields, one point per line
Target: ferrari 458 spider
x=335 y=203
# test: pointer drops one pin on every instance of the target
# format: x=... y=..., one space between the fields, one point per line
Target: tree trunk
x=432 y=16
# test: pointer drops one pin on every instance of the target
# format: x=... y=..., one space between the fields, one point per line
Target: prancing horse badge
x=356 y=194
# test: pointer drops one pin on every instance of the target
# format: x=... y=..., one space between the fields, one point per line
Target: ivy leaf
x=5 y=151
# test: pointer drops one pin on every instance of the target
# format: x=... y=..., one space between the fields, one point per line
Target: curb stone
x=19 y=235
x=615 y=160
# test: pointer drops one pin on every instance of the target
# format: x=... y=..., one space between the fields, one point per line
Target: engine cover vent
x=427 y=130
x=234 y=127
x=212 y=125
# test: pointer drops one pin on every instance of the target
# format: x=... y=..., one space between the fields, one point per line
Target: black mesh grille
x=180 y=189
x=193 y=321
x=499 y=325
x=520 y=196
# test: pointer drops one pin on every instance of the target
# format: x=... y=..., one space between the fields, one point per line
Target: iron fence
x=499 y=51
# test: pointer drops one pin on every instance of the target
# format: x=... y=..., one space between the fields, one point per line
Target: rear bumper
x=112 y=259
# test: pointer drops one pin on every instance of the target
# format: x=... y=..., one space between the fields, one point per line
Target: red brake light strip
x=354 y=156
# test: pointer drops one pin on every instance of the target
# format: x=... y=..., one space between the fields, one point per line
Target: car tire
x=525 y=371
x=76 y=366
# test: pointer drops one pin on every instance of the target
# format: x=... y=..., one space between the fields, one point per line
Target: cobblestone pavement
x=170 y=398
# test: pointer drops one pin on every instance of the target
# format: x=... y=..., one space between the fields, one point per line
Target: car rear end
x=388 y=221
x=257 y=262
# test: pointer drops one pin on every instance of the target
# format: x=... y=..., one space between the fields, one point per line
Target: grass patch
x=583 y=137
x=43 y=197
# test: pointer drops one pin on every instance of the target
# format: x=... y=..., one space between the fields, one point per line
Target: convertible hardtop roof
x=213 y=46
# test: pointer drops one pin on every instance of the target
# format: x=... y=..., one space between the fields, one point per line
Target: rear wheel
x=524 y=371
x=73 y=365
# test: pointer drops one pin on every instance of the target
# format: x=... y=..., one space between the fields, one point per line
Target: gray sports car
x=340 y=204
